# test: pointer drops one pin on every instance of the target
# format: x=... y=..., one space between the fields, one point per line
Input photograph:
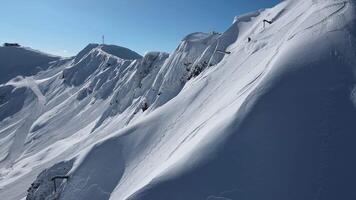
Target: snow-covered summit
x=120 y=52
x=264 y=110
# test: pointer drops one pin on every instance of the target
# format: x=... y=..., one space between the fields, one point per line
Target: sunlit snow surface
x=275 y=119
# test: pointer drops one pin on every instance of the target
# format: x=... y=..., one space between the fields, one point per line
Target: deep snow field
x=220 y=118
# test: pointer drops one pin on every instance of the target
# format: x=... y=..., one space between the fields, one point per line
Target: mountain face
x=264 y=110
x=16 y=61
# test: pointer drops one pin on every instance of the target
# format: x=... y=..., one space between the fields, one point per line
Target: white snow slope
x=272 y=120
x=15 y=61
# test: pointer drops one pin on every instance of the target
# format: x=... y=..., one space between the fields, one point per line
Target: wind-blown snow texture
x=272 y=120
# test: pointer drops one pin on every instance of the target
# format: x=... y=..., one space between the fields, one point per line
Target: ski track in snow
x=36 y=90
x=342 y=6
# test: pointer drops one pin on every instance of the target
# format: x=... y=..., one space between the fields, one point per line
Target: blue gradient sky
x=64 y=27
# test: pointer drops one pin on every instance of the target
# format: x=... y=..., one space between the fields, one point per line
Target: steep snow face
x=292 y=132
x=16 y=61
x=264 y=110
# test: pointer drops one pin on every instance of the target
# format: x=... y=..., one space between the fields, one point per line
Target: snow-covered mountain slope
x=15 y=61
x=222 y=117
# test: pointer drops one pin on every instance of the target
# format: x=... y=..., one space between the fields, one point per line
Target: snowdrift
x=261 y=111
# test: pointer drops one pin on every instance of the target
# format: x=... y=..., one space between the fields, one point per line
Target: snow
x=31 y=62
x=274 y=119
x=120 y=52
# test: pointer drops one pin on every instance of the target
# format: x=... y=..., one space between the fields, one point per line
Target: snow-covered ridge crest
x=118 y=51
x=260 y=111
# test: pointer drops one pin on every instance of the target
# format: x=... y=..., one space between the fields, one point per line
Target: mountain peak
x=121 y=52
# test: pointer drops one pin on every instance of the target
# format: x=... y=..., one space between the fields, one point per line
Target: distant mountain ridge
x=16 y=61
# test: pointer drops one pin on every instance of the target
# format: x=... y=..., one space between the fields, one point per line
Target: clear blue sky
x=64 y=27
